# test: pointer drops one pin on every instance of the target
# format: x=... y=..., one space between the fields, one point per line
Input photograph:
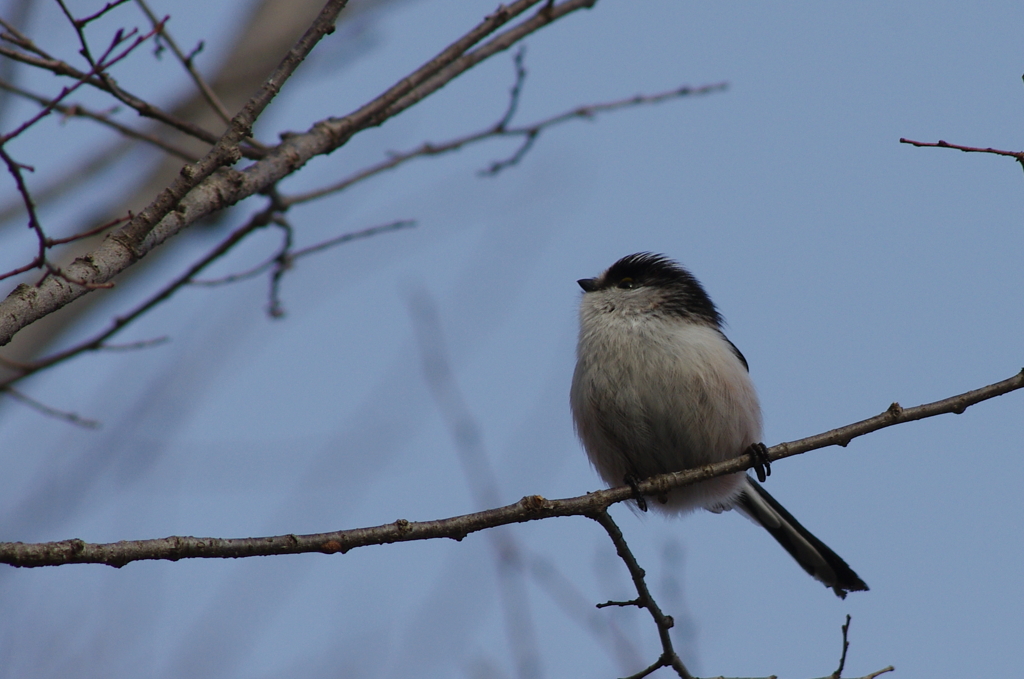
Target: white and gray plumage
x=659 y=388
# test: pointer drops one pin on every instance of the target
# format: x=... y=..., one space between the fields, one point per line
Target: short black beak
x=588 y=284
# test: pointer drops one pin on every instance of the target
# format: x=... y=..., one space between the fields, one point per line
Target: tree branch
x=186 y=61
x=530 y=508
x=77 y=110
x=668 y=658
x=202 y=189
x=500 y=129
x=1016 y=155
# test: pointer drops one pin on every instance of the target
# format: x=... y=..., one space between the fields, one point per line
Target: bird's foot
x=762 y=465
x=633 y=482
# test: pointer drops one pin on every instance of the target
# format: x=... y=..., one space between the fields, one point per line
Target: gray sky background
x=853 y=272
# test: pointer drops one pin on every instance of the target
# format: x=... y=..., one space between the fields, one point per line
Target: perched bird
x=659 y=388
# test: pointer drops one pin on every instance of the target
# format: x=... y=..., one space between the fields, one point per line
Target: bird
x=659 y=388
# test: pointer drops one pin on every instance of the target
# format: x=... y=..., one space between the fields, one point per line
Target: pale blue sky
x=853 y=271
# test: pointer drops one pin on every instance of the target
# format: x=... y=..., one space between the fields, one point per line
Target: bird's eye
x=627 y=284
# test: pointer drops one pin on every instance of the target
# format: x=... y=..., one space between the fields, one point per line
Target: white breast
x=653 y=394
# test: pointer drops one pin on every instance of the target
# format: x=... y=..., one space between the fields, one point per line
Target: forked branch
x=530 y=508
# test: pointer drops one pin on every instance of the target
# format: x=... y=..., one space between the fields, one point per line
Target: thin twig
x=284 y=259
x=143 y=107
x=175 y=210
x=33 y=220
x=77 y=110
x=208 y=94
x=135 y=346
x=517 y=89
x=530 y=508
x=259 y=220
x=16 y=37
x=260 y=268
x=69 y=417
x=846 y=647
x=93 y=17
x=68 y=179
x=528 y=132
x=97 y=70
x=282 y=263
x=50 y=242
x=669 y=657
x=1016 y=155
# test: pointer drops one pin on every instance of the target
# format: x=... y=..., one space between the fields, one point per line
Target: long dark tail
x=811 y=553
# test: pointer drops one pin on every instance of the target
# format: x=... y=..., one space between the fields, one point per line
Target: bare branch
x=16 y=37
x=846 y=647
x=78 y=110
x=97 y=71
x=199 y=191
x=516 y=91
x=143 y=107
x=15 y=169
x=286 y=260
x=186 y=60
x=98 y=341
x=135 y=346
x=50 y=242
x=530 y=508
x=261 y=268
x=668 y=658
x=72 y=418
x=68 y=179
x=528 y=132
x=93 y=17
x=1016 y=155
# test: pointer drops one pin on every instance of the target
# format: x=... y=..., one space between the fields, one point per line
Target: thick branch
x=530 y=508
x=200 y=191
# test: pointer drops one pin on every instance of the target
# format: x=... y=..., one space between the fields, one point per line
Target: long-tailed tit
x=659 y=388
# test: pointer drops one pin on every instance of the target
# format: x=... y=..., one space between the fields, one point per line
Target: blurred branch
x=72 y=418
x=282 y=261
x=18 y=13
x=186 y=60
x=530 y=508
x=77 y=110
x=479 y=475
x=65 y=180
x=531 y=132
x=207 y=186
x=565 y=593
x=528 y=132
